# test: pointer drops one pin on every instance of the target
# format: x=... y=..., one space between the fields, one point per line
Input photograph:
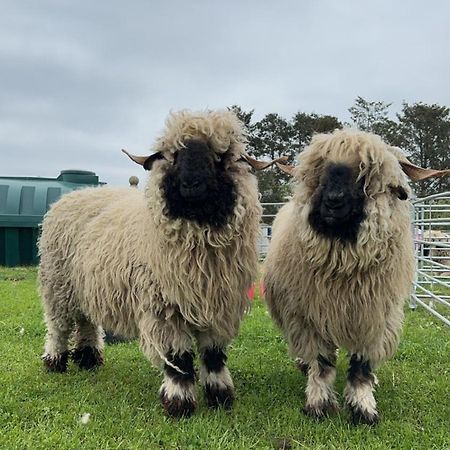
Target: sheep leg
x=358 y=392
x=214 y=374
x=320 y=396
x=216 y=378
x=88 y=348
x=302 y=365
x=166 y=340
x=60 y=309
x=177 y=393
x=56 y=351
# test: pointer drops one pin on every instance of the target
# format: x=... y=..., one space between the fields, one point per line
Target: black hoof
x=87 y=358
x=321 y=410
x=56 y=363
x=216 y=398
x=176 y=407
x=363 y=417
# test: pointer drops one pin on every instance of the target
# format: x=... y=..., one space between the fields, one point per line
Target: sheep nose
x=334 y=199
x=192 y=188
x=191 y=184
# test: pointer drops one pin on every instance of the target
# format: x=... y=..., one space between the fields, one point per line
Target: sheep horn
x=145 y=161
x=286 y=168
x=137 y=159
x=261 y=165
x=417 y=173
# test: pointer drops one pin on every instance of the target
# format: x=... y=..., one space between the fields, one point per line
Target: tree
x=244 y=116
x=425 y=134
x=373 y=117
x=306 y=125
x=365 y=114
x=272 y=138
x=269 y=138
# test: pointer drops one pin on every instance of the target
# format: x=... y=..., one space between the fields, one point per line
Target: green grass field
x=43 y=411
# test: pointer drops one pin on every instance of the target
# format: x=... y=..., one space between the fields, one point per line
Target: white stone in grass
x=22 y=331
x=85 y=418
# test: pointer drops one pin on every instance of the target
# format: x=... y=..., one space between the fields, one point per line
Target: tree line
x=421 y=130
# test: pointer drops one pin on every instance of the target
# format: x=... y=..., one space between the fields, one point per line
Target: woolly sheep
x=434 y=249
x=171 y=266
x=341 y=264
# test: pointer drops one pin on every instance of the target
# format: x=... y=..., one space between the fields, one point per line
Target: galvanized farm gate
x=431 y=224
x=269 y=212
x=431 y=228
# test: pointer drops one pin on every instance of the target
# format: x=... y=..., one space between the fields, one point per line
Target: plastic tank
x=23 y=203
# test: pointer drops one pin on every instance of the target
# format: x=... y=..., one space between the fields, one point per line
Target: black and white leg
x=359 y=391
x=177 y=393
x=216 y=378
x=88 y=345
x=56 y=351
x=320 y=396
x=166 y=340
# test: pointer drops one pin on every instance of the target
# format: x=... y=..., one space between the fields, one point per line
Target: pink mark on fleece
x=251 y=291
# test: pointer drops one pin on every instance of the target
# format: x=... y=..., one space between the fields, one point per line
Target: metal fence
x=269 y=212
x=431 y=226
x=431 y=222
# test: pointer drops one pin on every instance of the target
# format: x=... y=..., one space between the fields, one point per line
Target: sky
x=79 y=80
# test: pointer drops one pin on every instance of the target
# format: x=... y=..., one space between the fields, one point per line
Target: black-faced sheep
x=171 y=266
x=341 y=264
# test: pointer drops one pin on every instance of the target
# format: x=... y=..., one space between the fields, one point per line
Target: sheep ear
x=400 y=192
x=145 y=161
x=417 y=173
x=261 y=165
x=286 y=168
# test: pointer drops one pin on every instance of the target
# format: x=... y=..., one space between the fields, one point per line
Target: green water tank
x=23 y=203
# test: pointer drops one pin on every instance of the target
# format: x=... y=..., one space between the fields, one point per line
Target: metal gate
x=431 y=226
x=269 y=212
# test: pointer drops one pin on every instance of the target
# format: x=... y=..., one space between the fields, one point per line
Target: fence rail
x=431 y=227
x=431 y=224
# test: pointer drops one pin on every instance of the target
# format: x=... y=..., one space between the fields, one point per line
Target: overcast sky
x=81 y=79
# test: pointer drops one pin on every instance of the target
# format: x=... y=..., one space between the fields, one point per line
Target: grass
x=42 y=411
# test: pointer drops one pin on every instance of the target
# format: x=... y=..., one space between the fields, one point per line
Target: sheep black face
x=197 y=186
x=337 y=207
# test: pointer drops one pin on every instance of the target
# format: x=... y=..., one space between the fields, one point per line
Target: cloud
x=81 y=81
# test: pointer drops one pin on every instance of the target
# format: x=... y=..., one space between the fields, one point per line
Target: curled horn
x=417 y=173
x=145 y=161
x=137 y=159
x=286 y=168
x=261 y=165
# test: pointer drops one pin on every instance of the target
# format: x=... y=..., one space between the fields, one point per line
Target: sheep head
x=340 y=174
x=337 y=205
x=199 y=155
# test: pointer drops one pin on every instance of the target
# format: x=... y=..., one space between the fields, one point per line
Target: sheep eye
x=217 y=157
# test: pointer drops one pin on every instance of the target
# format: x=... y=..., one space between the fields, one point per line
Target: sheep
x=434 y=249
x=341 y=263
x=170 y=266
